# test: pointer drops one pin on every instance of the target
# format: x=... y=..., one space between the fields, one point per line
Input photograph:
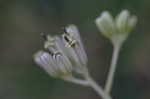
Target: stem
x=76 y=80
x=110 y=79
x=97 y=88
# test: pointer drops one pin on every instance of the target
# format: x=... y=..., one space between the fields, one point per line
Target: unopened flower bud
x=57 y=65
x=74 y=34
x=44 y=60
x=132 y=23
x=125 y=22
x=74 y=48
x=122 y=21
x=106 y=24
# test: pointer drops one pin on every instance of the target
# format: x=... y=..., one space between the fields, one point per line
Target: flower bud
x=125 y=22
x=70 y=53
x=105 y=24
x=74 y=34
x=122 y=21
x=75 y=48
x=57 y=65
x=132 y=23
x=44 y=60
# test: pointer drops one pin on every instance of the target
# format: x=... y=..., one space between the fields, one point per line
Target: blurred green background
x=22 y=21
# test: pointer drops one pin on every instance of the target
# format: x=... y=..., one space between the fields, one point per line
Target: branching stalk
x=98 y=88
x=76 y=80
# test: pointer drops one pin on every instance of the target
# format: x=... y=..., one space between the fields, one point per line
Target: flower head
x=64 y=53
x=56 y=64
x=118 y=29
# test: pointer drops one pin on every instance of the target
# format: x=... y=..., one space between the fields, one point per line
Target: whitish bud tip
x=103 y=16
x=133 y=21
x=38 y=54
x=106 y=24
x=39 y=58
x=125 y=12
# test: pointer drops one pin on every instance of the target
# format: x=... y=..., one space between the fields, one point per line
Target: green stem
x=76 y=80
x=110 y=79
x=97 y=88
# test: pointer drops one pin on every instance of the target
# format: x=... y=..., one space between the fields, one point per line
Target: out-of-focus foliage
x=22 y=21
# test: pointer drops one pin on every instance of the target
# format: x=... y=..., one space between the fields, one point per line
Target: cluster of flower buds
x=118 y=29
x=64 y=54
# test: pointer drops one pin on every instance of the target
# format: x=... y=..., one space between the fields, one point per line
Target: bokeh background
x=22 y=21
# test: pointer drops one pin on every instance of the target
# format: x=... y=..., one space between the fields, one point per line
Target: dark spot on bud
x=66 y=38
x=50 y=52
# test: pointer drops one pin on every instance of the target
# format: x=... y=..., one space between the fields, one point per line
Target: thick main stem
x=97 y=88
x=110 y=79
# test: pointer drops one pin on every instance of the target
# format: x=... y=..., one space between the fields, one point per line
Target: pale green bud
x=122 y=21
x=132 y=23
x=105 y=24
x=116 y=30
x=125 y=23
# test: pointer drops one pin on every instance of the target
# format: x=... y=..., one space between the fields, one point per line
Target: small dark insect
x=70 y=41
x=50 y=52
